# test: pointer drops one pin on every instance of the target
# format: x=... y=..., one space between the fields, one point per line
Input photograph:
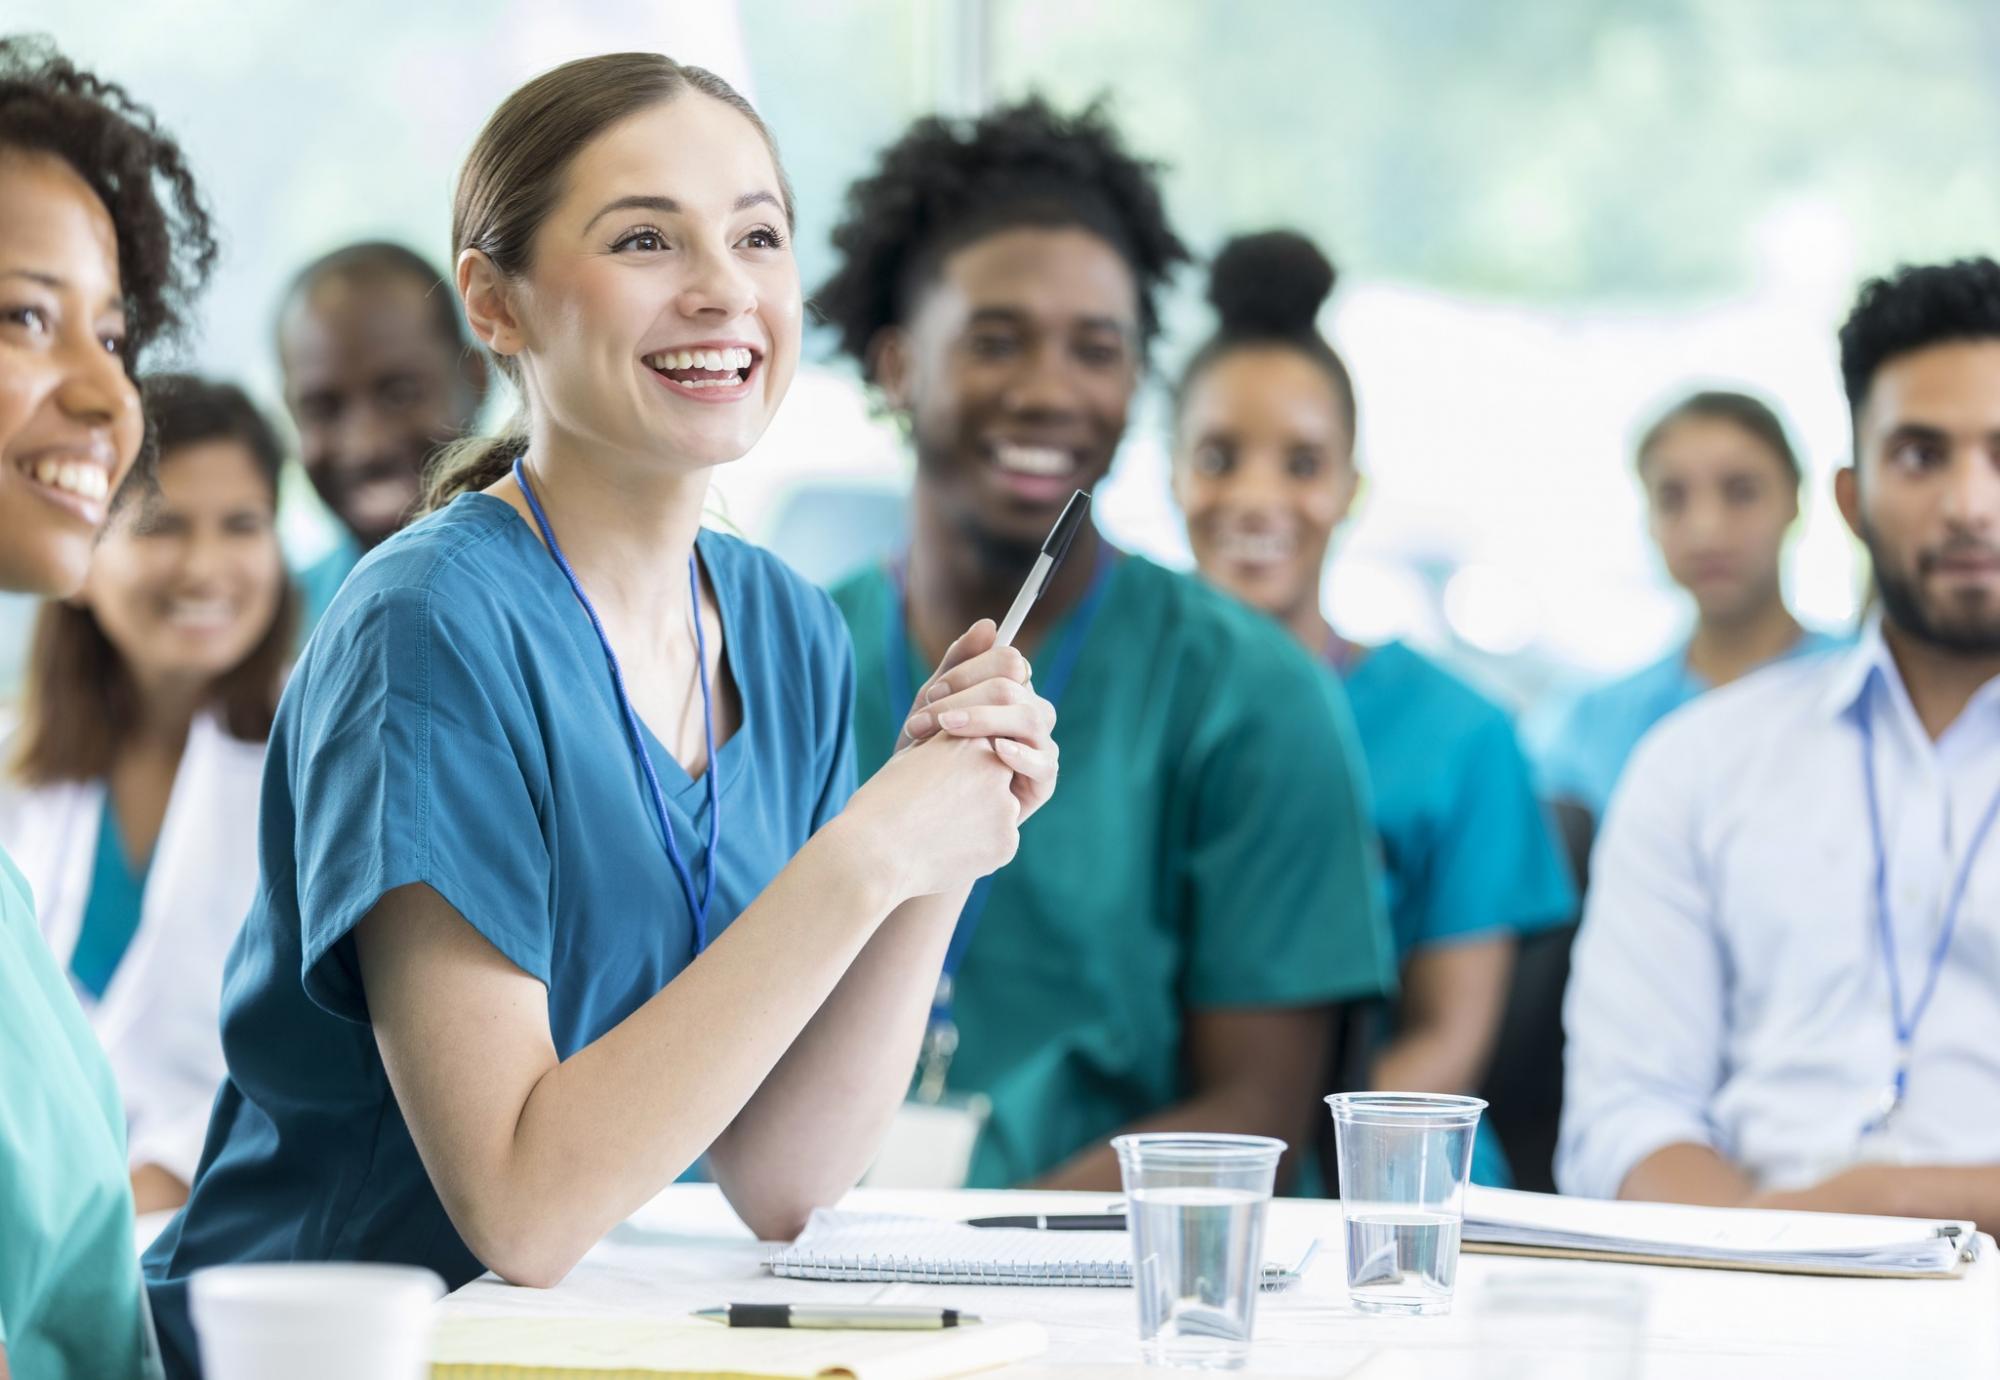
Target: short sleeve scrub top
x=454 y=722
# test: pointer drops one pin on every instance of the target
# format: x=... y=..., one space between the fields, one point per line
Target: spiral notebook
x=926 y=1250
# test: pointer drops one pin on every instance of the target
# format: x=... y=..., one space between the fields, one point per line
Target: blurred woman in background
x=1264 y=471
x=138 y=757
x=103 y=238
x=1722 y=492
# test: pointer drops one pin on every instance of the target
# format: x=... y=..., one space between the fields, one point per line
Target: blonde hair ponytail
x=471 y=464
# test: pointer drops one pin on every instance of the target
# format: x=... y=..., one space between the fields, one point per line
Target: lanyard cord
x=697 y=910
x=1885 y=933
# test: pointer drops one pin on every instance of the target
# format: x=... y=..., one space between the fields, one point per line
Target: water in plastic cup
x=1404 y=1161
x=1195 y=1205
x=314 y=1322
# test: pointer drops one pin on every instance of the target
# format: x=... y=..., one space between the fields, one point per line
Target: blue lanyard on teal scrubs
x=697 y=909
x=1885 y=932
x=1051 y=679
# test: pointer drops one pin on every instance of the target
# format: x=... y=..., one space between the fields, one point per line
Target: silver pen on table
x=852 y=1318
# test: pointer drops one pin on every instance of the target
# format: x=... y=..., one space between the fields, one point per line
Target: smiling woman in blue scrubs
x=1722 y=491
x=562 y=883
x=1264 y=471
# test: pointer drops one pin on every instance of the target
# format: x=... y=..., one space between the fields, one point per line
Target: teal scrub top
x=70 y=1303
x=453 y=722
x=1581 y=756
x=1208 y=848
x=111 y=912
x=1467 y=850
x=321 y=580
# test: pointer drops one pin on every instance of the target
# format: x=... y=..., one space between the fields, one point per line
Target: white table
x=687 y=1250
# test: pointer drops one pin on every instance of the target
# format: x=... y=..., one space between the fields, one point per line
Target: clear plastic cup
x=314 y=1322
x=1196 y=1206
x=1404 y=1161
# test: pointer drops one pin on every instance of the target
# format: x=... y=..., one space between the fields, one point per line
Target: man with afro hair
x=1169 y=946
x=1787 y=985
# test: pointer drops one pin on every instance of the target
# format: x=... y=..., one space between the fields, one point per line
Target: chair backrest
x=1524 y=1081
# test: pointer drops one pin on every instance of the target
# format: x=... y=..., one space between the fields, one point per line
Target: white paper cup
x=314 y=1322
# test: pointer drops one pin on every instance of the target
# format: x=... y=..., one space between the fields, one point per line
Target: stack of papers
x=1505 y=1222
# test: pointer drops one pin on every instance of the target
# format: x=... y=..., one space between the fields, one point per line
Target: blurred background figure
x=135 y=768
x=1722 y=493
x=1264 y=469
x=379 y=372
x=1170 y=944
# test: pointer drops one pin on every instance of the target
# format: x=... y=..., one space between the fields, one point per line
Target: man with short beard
x=1787 y=987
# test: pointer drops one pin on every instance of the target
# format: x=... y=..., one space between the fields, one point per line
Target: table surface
x=1513 y=1317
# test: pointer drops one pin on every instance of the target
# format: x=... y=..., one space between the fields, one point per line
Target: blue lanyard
x=697 y=910
x=1906 y=1023
x=1051 y=679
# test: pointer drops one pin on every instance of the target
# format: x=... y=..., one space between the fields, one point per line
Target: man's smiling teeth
x=733 y=358
x=1257 y=547
x=85 y=481
x=1036 y=460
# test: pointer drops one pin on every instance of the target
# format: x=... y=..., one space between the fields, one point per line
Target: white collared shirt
x=1728 y=985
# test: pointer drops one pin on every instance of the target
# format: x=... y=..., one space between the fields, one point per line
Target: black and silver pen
x=1074 y=1221
x=1074 y=514
x=853 y=1318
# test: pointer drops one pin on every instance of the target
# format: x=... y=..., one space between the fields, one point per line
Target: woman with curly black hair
x=1169 y=944
x=102 y=241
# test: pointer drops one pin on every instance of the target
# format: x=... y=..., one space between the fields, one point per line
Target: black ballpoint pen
x=1085 y=1221
x=852 y=1318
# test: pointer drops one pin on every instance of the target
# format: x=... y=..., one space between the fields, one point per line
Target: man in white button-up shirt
x=1758 y=960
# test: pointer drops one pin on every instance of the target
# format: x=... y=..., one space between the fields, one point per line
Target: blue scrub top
x=1582 y=754
x=453 y=722
x=1466 y=848
x=111 y=913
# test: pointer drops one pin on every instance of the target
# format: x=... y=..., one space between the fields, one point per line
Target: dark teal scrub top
x=1208 y=849
x=453 y=722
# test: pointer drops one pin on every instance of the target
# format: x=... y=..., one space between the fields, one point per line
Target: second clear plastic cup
x=1404 y=1162
x=1196 y=1206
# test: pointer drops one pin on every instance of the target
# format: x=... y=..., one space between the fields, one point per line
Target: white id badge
x=929 y=1144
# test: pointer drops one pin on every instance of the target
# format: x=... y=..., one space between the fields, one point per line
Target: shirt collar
x=1855 y=669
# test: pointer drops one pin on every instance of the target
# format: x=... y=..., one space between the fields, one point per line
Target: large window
x=1549 y=218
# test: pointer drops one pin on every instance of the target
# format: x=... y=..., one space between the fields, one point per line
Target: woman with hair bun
x=103 y=239
x=1264 y=471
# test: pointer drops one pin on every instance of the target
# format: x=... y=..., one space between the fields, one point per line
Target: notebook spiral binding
x=901 y=1269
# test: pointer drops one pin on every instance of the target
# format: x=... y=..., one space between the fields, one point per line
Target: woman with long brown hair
x=565 y=878
x=140 y=752
x=103 y=238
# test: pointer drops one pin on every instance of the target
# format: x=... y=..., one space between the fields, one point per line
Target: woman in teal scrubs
x=565 y=881
x=1264 y=470
x=1170 y=947
x=103 y=239
x=1722 y=492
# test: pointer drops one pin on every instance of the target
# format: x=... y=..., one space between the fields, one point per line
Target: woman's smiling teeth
x=1036 y=460
x=704 y=368
x=1254 y=548
x=201 y=614
x=86 y=481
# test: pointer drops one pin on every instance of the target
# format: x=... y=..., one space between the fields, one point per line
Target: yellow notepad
x=686 y=1349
